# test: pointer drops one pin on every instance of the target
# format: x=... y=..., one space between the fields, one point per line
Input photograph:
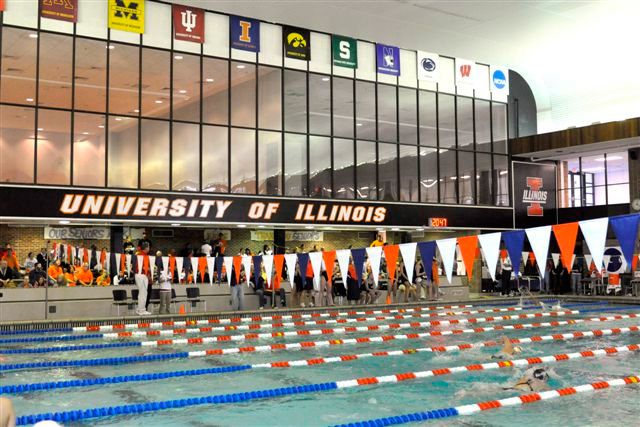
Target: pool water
x=602 y=408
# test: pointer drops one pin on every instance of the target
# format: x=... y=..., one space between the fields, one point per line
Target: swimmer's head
x=540 y=374
x=517 y=349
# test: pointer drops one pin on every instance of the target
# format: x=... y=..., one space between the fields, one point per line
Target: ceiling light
x=29 y=99
x=209 y=80
x=261 y=226
x=110 y=46
x=136 y=111
x=395 y=229
x=40 y=129
x=33 y=36
x=64 y=222
x=178 y=57
x=242 y=226
x=158 y=101
x=503 y=172
x=182 y=91
x=85 y=133
x=309 y=227
x=118 y=119
x=609 y=158
x=325 y=79
x=101 y=126
x=175 y=224
x=358 y=124
x=240 y=66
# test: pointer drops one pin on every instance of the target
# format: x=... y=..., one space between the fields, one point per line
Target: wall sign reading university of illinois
x=60 y=203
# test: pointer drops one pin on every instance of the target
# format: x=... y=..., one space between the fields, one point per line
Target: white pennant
x=490 y=244
x=595 y=233
x=606 y=259
x=267 y=260
x=343 y=262
x=525 y=257
x=573 y=259
x=118 y=258
x=179 y=265
x=127 y=263
x=140 y=260
x=556 y=258
x=211 y=262
x=539 y=240
x=228 y=267
x=246 y=263
x=81 y=254
x=408 y=252
x=375 y=255
x=194 y=269
x=447 y=249
x=165 y=266
x=89 y=253
x=588 y=259
x=107 y=262
x=316 y=265
x=152 y=264
x=290 y=260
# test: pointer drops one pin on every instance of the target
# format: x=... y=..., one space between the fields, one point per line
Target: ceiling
x=579 y=57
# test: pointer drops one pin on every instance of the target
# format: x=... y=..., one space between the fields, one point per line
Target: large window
x=18 y=83
x=53 y=147
x=295 y=101
x=366 y=170
x=124 y=64
x=185 y=157
x=88 y=149
x=319 y=166
x=408 y=166
x=243 y=161
x=387 y=113
x=270 y=163
x=388 y=171
x=17 y=144
x=56 y=63
x=154 y=154
x=295 y=164
x=243 y=94
x=343 y=169
x=186 y=88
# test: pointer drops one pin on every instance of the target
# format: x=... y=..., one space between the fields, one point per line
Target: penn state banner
x=62 y=10
x=188 y=23
x=244 y=33
x=534 y=194
x=125 y=15
x=297 y=43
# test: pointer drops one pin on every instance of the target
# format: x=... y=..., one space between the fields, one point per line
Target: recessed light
x=136 y=111
x=64 y=222
x=29 y=99
x=33 y=36
x=242 y=226
x=182 y=91
x=358 y=124
x=85 y=133
x=158 y=101
x=101 y=126
x=175 y=224
x=309 y=227
x=118 y=119
x=40 y=129
x=325 y=79
x=110 y=47
x=178 y=57
x=240 y=66
x=395 y=229
x=209 y=80
x=261 y=226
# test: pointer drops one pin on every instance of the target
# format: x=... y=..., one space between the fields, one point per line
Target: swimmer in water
x=7 y=414
x=508 y=349
x=533 y=380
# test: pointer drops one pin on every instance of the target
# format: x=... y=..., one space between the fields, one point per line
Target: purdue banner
x=297 y=43
x=125 y=15
x=534 y=194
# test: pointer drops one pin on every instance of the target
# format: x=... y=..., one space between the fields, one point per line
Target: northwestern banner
x=62 y=10
x=297 y=43
x=203 y=208
x=388 y=59
x=428 y=66
x=126 y=15
x=345 y=51
x=188 y=23
x=244 y=33
x=534 y=194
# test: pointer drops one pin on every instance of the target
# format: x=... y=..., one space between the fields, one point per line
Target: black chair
x=119 y=299
x=193 y=296
x=155 y=297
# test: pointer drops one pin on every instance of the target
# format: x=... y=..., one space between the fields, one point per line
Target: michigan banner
x=125 y=15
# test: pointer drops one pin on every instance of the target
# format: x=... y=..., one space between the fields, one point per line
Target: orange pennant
x=85 y=256
x=468 y=246
x=103 y=258
x=123 y=263
x=202 y=267
x=634 y=263
x=391 y=255
x=503 y=254
x=329 y=258
x=566 y=235
x=278 y=261
x=145 y=264
x=237 y=263
x=172 y=265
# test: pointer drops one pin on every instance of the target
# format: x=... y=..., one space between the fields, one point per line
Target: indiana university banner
x=63 y=10
x=126 y=15
x=188 y=23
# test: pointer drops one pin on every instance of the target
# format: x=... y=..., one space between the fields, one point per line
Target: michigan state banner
x=345 y=51
x=297 y=43
x=125 y=15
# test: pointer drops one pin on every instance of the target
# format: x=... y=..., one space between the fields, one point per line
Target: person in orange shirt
x=69 y=277
x=56 y=274
x=378 y=242
x=12 y=260
x=434 y=289
x=84 y=276
x=103 y=279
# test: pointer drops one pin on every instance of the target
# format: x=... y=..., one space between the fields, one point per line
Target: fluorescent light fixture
x=85 y=133
x=158 y=101
x=242 y=226
x=29 y=99
x=118 y=119
x=64 y=222
x=309 y=227
x=358 y=124
x=178 y=57
x=182 y=91
x=175 y=224
x=503 y=172
x=40 y=129
x=609 y=158
x=325 y=79
x=240 y=66
x=209 y=80
x=33 y=36
x=110 y=46
x=261 y=226
x=395 y=229
x=101 y=126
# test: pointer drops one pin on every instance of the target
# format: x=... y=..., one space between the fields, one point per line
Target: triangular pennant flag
x=172 y=267
x=573 y=260
x=104 y=256
x=375 y=255
x=566 y=235
x=127 y=260
x=165 y=266
x=634 y=263
x=90 y=259
x=211 y=263
x=151 y=262
x=343 y=262
x=595 y=234
x=107 y=263
x=525 y=257
x=257 y=268
x=316 y=265
x=588 y=259
x=291 y=260
x=447 y=248
x=180 y=267
x=329 y=258
x=555 y=258
x=427 y=253
x=490 y=244
x=202 y=268
x=267 y=261
x=120 y=262
x=278 y=261
x=539 y=240
x=303 y=263
x=391 y=255
x=358 y=262
x=218 y=266
x=626 y=230
x=194 y=269
x=246 y=264
x=468 y=246
x=229 y=267
x=408 y=252
x=514 y=241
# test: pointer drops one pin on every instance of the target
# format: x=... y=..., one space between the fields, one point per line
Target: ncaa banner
x=465 y=73
x=244 y=34
x=499 y=80
x=388 y=59
x=345 y=51
x=297 y=43
x=534 y=194
x=62 y=10
x=428 y=66
x=125 y=15
x=188 y=23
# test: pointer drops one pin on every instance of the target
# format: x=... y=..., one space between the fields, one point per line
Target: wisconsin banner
x=344 y=51
x=62 y=10
x=188 y=23
x=244 y=34
x=428 y=66
x=297 y=43
x=465 y=73
x=126 y=15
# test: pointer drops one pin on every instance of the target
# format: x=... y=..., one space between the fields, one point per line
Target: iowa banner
x=63 y=10
x=297 y=43
x=125 y=15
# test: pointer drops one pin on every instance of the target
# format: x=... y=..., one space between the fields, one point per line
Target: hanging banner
x=62 y=10
x=345 y=51
x=499 y=80
x=465 y=73
x=534 y=194
x=262 y=236
x=304 y=236
x=188 y=23
x=244 y=34
x=595 y=234
x=388 y=59
x=297 y=43
x=126 y=15
x=77 y=233
x=428 y=66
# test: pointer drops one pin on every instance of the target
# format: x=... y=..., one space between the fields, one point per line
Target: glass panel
x=388 y=171
x=122 y=143
x=365 y=110
x=18 y=82
x=428 y=123
x=88 y=149
x=617 y=169
x=483 y=179
x=123 y=78
x=618 y=193
x=343 y=169
x=17 y=144
x=501 y=177
x=319 y=166
x=408 y=116
x=295 y=165
x=215 y=159
x=564 y=198
x=186 y=87
x=465 y=123
x=56 y=68
x=269 y=102
x=243 y=161
x=448 y=177
x=155 y=83
x=593 y=170
x=243 y=96
x=319 y=104
x=366 y=170
x=343 y=107
x=215 y=90
x=565 y=169
x=186 y=157
x=295 y=101
x=387 y=113
x=270 y=163
x=54 y=147
x=91 y=75
x=154 y=155
x=408 y=173
x=499 y=117
x=466 y=175
x=483 y=125
x=446 y=121
x=428 y=175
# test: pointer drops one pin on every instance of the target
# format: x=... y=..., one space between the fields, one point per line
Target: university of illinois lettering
x=126 y=15
x=534 y=196
x=297 y=43
x=188 y=23
x=244 y=34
